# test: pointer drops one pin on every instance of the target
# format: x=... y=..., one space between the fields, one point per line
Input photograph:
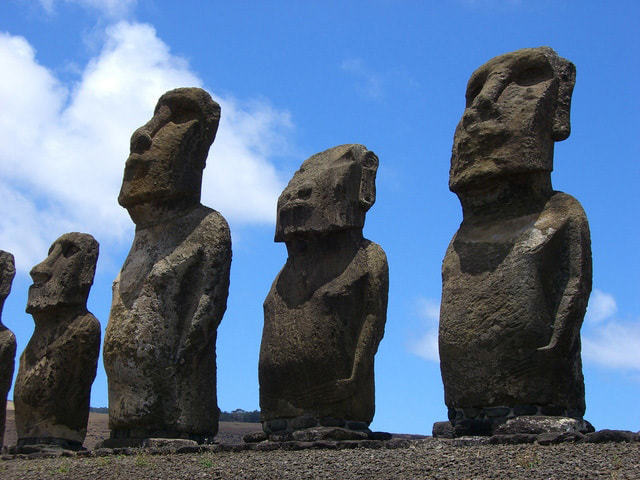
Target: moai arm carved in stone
x=573 y=298
x=325 y=313
x=517 y=273
x=369 y=337
x=171 y=294
x=7 y=338
x=58 y=366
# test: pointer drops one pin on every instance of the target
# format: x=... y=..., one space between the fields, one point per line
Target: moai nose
x=140 y=141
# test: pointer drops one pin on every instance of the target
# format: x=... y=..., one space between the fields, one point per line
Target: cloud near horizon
x=606 y=340
x=425 y=345
x=63 y=147
x=110 y=8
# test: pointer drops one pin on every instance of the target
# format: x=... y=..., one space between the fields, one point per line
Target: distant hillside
x=238 y=415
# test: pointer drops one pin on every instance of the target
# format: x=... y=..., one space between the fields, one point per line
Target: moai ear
x=367 y=195
x=566 y=73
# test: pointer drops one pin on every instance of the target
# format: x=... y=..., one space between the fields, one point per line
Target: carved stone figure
x=324 y=316
x=7 y=338
x=517 y=273
x=171 y=294
x=59 y=364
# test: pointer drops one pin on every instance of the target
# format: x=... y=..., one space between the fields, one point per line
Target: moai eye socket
x=69 y=249
x=370 y=160
x=304 y=193
x=474 y=89
x=534 y=75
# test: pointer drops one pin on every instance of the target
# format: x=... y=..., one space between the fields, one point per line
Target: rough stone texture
x=517 y=274
x=414 y=459
x=256 y=437
x=325 y=313
x=542 y=424
x=328 y=433
x=171 y=294
x=443 y=430
x=59 y=364
x=7 y=338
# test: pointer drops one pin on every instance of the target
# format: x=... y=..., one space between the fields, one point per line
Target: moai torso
x=171 y=294
x=325 y=313
x=7 y=338
x=168 y=301
x=505 y=284
x=58 y=365
x=517 y=274
x=312 y=335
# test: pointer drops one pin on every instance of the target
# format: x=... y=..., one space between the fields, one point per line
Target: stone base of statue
x=309 y=429
x=44 y=445
x=136 y=442
x=502 y=421
x=121 y=439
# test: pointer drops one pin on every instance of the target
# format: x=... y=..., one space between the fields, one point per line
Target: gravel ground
x=423 y=459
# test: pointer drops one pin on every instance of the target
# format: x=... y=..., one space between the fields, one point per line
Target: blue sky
x=294 y=78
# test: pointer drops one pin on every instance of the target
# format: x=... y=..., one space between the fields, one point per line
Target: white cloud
x=601 y=306
x=373 y=84
x=425 y=344
x=614 y=345
x=62 y=148
x=239 y=181
x=110 y=8
x=369 y=83
x=607 y=341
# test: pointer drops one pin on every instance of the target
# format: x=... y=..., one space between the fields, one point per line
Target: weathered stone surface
x=554 y=438
x=324 y=316
x=171 y=294
x=169 y=443
x=328 y=433
x=255 y=437
x=442 y=430
x=615 y=436
x=542 y=424
x=515 y=439
x=517 y=274
x=382 y=436
x=332 y=422
x=59 y=363
x=7 y=338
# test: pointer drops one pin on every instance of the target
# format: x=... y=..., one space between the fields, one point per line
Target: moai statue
x=324 y=316
x=171 y=294
x=517 y=273
x=59 y=364
x=7 y=338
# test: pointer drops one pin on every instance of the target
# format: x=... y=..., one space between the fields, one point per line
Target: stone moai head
x=64 y=278
x=169 y=153
x=517 y=106
x=332 y=191
x=7 y=273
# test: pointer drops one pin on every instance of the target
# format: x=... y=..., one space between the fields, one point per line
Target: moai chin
x=58 y=366
x=517 y=273
x=325 y=313
x=7 y=338
x=171 y=294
